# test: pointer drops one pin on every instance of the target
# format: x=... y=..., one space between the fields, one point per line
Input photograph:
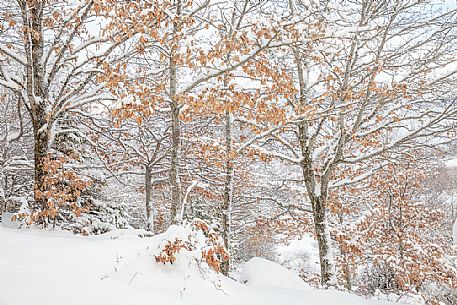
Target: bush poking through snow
x=198 y=241
x=167 y=255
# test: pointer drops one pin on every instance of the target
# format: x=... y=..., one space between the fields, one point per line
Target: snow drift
x=56 y=268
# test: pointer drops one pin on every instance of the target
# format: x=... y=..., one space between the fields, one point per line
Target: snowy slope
x=257 y=272
x=55 y=268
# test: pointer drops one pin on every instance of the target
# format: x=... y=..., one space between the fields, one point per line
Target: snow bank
x=56 y=268
x=259 y=272
x=272 y=278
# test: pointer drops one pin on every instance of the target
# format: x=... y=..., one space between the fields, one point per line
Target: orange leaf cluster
x=167 y=255
x=213 y=253
x=61 y=190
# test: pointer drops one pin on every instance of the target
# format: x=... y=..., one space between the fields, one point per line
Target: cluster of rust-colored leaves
x=171 y=248
x=213 y=254
x=61 y=189
x=151 y=23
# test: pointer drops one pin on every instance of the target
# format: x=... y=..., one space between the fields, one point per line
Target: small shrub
x=201 y=243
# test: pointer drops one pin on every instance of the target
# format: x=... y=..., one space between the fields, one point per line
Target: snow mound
x=56 y=268
x=300 y=254
x=259 y=272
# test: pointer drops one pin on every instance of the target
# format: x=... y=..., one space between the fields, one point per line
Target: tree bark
x=175 y=126
x=149 y=207
x=317 y=195
x=40 y=153
x=228 y=190
x=175 y=182
x=32 y=14
x=323 y=239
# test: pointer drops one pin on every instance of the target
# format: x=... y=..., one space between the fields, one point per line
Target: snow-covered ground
x=56 y=268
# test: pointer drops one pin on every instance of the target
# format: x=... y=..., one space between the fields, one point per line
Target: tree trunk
x=175 y=155
x=40 y=153
x=317 y=195
x=175 y=127
x=174 y=166
x=328 y=276
x=32 y=14
x=344 y=254
x=347 y=271
x=149 y=207
x=228 y=190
